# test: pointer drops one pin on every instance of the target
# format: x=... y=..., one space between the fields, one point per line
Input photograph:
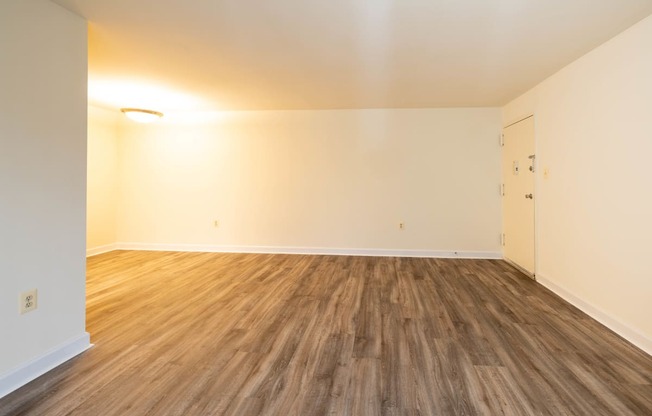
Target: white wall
x=43 y=183
x=102 y=196
x=291 y=180
x=594 y=211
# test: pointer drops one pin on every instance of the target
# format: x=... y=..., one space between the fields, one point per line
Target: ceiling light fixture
x=140 y=115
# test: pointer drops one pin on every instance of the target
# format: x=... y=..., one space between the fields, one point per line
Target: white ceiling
x=326 y=54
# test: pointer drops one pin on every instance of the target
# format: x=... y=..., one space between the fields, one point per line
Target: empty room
x=422 y=207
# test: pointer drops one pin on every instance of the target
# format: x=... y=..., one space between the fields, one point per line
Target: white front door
x=518 y=194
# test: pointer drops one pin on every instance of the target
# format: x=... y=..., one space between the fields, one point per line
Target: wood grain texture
x=249 y=334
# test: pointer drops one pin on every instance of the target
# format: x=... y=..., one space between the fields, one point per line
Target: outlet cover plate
x=28 y=301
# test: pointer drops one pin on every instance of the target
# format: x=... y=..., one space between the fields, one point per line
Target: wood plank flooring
x=249 y=334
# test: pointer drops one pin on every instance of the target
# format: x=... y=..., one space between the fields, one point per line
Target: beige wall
x=594 y=135
x=43 y=182
x=102 y=196
x=306 y=180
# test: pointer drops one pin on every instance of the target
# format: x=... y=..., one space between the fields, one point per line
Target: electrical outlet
x=401 y=226
x=28 y=301
x=216 y=223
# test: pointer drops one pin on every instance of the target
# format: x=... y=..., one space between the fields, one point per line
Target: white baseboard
x=27 y=372
x=94 y=251
x=630 y=334
x=311 y=250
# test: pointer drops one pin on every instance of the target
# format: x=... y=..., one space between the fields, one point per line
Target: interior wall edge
x=23 y=374
x=627 y=332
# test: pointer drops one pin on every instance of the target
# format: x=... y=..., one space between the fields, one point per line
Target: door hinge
x=502 y=140
x=502 y=189
x=502 y=239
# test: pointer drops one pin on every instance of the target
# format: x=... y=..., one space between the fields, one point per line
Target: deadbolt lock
x=531 y=157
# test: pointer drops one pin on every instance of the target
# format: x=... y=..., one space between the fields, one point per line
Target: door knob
x=529 y=196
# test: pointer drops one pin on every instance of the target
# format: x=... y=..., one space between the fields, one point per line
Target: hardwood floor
x=247 y=334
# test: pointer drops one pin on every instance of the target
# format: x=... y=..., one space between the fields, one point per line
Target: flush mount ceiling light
x=140 y=115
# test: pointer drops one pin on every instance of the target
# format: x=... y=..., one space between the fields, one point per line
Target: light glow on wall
x=116 y=94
